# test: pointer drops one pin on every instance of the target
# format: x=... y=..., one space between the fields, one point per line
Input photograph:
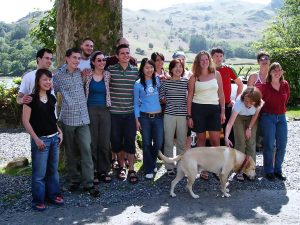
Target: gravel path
x=15 y=195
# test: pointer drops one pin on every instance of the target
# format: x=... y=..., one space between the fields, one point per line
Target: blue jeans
x=45 y=177
x=152 y=130
x=274 y=130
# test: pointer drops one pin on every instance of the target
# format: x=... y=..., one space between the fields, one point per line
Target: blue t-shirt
x=97 y=93
x=146 y=101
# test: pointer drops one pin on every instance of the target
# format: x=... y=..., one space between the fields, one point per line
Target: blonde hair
x=196 y=68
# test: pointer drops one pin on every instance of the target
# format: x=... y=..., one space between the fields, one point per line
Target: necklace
x=43 y=98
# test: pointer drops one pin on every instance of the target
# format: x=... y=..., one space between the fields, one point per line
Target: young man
x=44 y=61
x=75 y=120
x=228 y=74
x=87 y=48
x=113 y=60
x=123 y=130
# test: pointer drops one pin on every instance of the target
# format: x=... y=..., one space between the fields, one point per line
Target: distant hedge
x=289 y=59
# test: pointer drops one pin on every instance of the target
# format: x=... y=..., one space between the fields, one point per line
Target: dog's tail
x=169 y=160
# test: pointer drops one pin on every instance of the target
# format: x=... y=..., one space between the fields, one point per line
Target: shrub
x=10 y=110
x=289 y=60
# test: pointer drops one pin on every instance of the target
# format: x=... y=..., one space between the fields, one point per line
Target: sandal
x=204 y=175
x=39 y=207
x=132 y=177
x=106 y=178
x=240 y=177
x=171 y=172
x=121 y=173
x=58 y=200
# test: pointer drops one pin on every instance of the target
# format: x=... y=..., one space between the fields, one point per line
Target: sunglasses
x=101 y=60
x=264 y=58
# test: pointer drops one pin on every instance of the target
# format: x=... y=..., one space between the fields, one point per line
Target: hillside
x=235 y=22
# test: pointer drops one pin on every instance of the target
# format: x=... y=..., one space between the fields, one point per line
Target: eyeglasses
x=101 y=60
x=266 y=58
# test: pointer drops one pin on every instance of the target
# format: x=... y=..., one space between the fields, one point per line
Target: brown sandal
x=121 y=173
x=132 y=177
x=204 y=175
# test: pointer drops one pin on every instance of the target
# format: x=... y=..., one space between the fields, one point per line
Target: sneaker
x=39 y=207
x=92 y=191
x=280 y=176
x=149 y=176
x=270 y=176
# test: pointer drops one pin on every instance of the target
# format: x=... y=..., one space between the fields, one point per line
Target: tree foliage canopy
x=284 y=31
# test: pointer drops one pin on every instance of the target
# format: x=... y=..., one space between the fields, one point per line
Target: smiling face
x=218 y=58
x=87 y=47
x=45 y=83
x=177 y=71
x=124 y=56
x=99 y=62
x=73 y=61
x=159 y=63
x=46 y=61
x=264 y=61
x=204 y=61
x=148 y=70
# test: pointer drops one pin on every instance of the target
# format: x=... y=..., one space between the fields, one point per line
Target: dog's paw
x=173 y=195
x=226 y=195
x=195 y=196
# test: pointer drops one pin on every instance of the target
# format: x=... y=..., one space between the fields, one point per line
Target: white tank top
x=206 y=92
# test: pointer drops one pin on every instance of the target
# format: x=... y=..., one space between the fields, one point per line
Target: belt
x=49 y=136
x=151 y=115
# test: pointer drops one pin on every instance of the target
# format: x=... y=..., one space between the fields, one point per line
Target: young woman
x=148 y=115
x=159 y=59
x=275 y=93
x=258 y=78
x=173 y=92
x=244 y=121
x=206 y=103
x=40 y=122
x=98 y=101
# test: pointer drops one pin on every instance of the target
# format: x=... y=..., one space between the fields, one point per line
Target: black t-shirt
x=43 y=119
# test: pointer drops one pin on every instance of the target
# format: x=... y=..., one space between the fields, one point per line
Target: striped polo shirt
x=175 y=93
x=121 y=88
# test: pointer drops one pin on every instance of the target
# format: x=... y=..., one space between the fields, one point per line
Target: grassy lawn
x=293 y=112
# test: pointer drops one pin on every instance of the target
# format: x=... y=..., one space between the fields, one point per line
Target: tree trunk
x=100 y=20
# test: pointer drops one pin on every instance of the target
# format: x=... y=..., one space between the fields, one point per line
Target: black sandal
x=106 y=178
x=132 y=177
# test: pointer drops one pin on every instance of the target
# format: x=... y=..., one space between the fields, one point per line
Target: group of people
x=106 y=99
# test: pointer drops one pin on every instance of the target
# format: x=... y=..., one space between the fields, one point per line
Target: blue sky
x=12 y=10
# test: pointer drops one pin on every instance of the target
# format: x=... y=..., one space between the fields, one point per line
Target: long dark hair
x=36 y=90
x=142 y=75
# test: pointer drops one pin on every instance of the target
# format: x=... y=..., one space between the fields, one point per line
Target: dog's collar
x=245 y=163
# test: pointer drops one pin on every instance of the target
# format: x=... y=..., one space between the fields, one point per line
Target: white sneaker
x=149 y=176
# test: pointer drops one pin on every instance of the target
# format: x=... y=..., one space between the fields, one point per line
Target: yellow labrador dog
x=219 y=160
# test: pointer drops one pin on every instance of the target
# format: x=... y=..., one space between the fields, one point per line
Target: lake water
x=7 y=80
